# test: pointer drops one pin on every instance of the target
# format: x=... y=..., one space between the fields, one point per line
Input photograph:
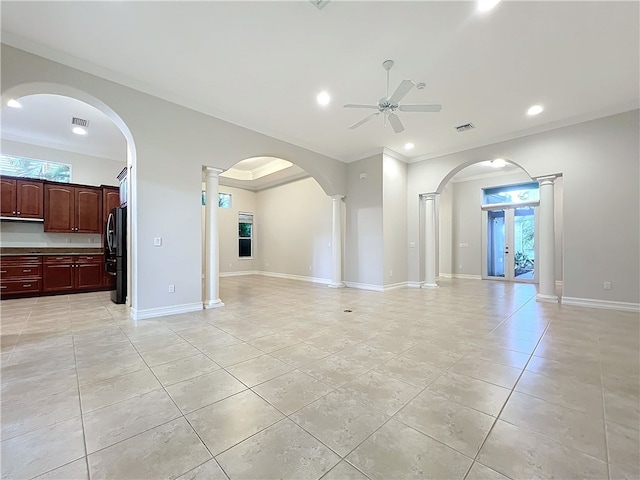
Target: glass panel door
x=509 y=244
x=496 y=243
x=524 y=243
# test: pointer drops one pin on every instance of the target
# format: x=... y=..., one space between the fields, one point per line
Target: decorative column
x=336 y=242
x=547 y=262
x=212 y=244
x=429 y=240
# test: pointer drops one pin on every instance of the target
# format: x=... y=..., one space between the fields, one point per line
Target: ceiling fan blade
x=420 y=108
x=395 y=122
x=356 y=105
x=364 y=120
x=401 y=91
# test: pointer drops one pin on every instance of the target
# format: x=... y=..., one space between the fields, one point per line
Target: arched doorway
x=456 y=233
x=274 y=219
x=107 y=147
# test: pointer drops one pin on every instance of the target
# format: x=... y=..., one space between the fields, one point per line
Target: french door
x=510 y=243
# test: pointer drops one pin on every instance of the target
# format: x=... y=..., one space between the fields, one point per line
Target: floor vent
x=465 y=127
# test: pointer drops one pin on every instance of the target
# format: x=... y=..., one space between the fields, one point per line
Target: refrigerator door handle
x=110 y=232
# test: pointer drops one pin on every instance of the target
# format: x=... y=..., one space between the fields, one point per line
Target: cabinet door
x=110 y=199
x=29 y=199
x=8 y=197
x=58 y=277
x=88 y=275
x=88 y=214
x=59 y=208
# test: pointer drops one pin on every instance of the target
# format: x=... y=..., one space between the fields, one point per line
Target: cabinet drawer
x=58 y=259
x=21 y=260
x=20 y=286
x=20 y=271
x=90 y=259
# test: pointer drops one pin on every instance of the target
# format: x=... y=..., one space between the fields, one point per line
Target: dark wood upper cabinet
x=21 y=198
x=88 y=214
x=30 y=199
x=72 y=209
x=8 y=197
x=110 y=200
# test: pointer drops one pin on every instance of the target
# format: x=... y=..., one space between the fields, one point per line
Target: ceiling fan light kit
x=389 y=105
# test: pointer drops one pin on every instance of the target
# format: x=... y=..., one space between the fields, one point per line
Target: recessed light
x=486 y=5
x=535 y=110
x=79 y=130
x=408 y=146
x=323 y=98
x=13 y=103
x=498 y=163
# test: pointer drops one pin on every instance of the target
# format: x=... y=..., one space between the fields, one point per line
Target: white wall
x=293 y=228
x=364 y=253
x=600 y=202
x=394 y=212
x=85 y=169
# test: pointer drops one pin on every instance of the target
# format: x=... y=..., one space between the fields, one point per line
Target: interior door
x=509 y=243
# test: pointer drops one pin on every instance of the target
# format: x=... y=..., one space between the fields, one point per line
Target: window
x=34 y=168
x=523 y=193
x=224 y=200
x=245 y=235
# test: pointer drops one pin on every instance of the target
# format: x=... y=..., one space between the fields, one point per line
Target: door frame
x=509 y=266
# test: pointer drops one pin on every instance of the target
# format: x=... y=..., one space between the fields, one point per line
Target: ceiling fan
x=389 y=105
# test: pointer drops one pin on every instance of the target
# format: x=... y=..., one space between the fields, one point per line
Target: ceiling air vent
x=465 y=127
x=80 y=122
x=319 y=3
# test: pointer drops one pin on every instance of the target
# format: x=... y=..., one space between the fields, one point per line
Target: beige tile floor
x=472 y=380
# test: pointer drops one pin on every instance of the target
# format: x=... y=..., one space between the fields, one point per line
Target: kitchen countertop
x=15 y=251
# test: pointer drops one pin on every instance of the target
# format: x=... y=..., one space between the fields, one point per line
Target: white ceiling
x=261 y=64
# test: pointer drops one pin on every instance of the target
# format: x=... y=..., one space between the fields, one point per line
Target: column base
x=429 y=285
x=336 y=285
x=213 y=304
x=546 y=298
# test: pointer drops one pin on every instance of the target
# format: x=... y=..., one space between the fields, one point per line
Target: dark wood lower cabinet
x=50 y=275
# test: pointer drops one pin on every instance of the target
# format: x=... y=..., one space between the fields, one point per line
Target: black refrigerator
x=116 y=252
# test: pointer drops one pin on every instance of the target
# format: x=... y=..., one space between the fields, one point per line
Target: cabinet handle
x=14 y=212
x=3 y=287
x=26 y=271
x=18 y=213
x=26 y=286
x=3 y=271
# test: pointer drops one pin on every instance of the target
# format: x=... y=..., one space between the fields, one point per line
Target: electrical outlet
x=172 y=289
x=412 y=244
x=157 y=241
x=391 y=273
x=459 y=267
x=607 y=285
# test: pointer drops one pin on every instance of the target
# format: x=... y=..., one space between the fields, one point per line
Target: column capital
x=212 y=171
x=338 y=197
x=428 y=196
x=547 y=179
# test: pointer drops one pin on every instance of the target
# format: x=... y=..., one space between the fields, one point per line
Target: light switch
x=157 y=241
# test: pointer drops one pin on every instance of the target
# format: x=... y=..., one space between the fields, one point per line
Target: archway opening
x=274 y=220
x=38 y=127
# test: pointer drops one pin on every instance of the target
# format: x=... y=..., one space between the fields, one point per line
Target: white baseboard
x=365 y=286
x=164 y=311
x=466 y=276
x=296 y=277
x=605 y=304
x=237 y=274
x=414 y=284
x=395 y=286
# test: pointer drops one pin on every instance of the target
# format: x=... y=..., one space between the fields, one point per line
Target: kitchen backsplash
x=31 y=234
